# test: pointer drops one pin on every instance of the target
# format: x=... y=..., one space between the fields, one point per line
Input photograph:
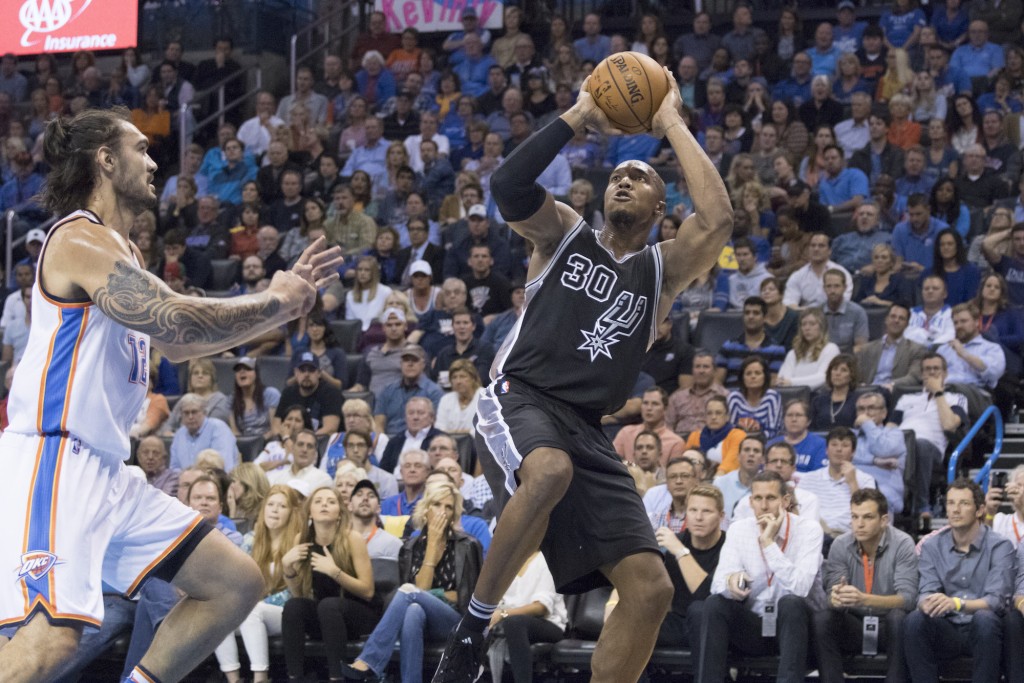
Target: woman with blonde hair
x=279 y=522
x=357 y=417
x=898 y=76
x=743 y=170
x=753 y=198
x=581 y=196
x=440 y=567
x=884 y=285
x=806 y=362
x=346 y=476
x=202 y=381
x=395 y=157
x=565 y=65
x=365 y=301
x=457 y=408
x=329 y=575
x=926 y=101
x=849 y=79
x=249 y=486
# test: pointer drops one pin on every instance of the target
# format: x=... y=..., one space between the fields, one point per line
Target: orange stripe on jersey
x=28 y=514
x=71 y=374
x=76 y=216
x=40 y=602
x=53 y=516
x=167 y=551
x=46 y=367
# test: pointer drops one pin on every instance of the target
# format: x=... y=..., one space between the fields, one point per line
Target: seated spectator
x=382 y=364
x=736 y=484
x=314 y=102
x=852 y=250
x=730 y=616
x=330 y=579
x=753 y=340
x=916 y=178
x=691 y=558
x=489 y=290
x=239 y=168
x=745 y=281
x=754 y=406
x=422 y=568
x=202 y=381
x=950 y=263
x=811 y=353
x=883 y=285
x=847 y=321
x=781 y=458
x=371 y=155
x=364 y=504
x=257 y=132
x=279 y=523
x=841 y=189
x=809 y=448
x=153 y=459
x=960 y=616
x=1009 y=525
x=303 y=463
x=435 y=329
x=805 y=287
x=930 y=414
x=973 y=363
x=893 y=359
x=718 y=439
x=391 y=402
x=358 y=417
x=833 y=485
x=652 y=415
x=822 y=109
x=669 y=360
x=686 y=407
x=681 y=475
x=999 y=321
x=914 y=239
x=854 y=593
x=1008 y=261
x=457 y=258
x=357 y=445
x=199 y=432
x=321 y=401
x=253 y=404
x=853 y=133
x=834 y=404
x=365 y=301
x=285 y=212
x=881 y=450
x=979 y=186
x=879 y=156
x=457 y=408
x=781 y=322
x=904 y=132
x=931 y=323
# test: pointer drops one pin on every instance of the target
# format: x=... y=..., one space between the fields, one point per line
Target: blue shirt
x=810 y=452
x=848 y=39
x=848 y=184
x=17 y=194
x=977 y=61
x=985 y=571
x=625 y=147
x=392 y=400
x=397 y=505
x=1013 y=270
x=226 y=182
x=948 y=29
x=373 y=160
x=595 y=51
x=852 y=250
x=962 y=372
x=212 y=434
x=792 y=90
x=914 y=247
x=473 y=75
x=883 y=442
x=899 y=27
x=824 y=63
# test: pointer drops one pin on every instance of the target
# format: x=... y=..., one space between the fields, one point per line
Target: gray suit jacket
x=906 y=368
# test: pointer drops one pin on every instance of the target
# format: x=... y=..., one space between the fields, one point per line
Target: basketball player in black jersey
x=594 y=300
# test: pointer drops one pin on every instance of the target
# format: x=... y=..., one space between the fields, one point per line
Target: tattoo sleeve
x=137 y=301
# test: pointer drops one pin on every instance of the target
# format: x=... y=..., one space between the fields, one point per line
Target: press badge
x=869 y=643
x=769 y=621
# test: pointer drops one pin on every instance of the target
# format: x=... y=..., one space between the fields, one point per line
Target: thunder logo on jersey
x=36 y=564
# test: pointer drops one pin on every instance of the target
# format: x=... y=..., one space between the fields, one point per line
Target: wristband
x=940 y=392
x=1017 y=604
x=958 y=604
x=988 y=517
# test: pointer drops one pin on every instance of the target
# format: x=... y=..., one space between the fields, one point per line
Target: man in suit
x=893 y=359
x=428 y=257
x=418 y=433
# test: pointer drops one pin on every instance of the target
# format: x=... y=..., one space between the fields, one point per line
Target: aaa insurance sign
x=35 y=26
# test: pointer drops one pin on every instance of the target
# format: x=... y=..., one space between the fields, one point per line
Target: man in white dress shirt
x=805 y=287
x=303 y=466
x=767 y=583
x=1009 y=525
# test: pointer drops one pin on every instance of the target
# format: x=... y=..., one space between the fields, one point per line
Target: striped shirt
x=833 y=495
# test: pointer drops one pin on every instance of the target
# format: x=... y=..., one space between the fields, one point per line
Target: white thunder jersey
x=82 y=374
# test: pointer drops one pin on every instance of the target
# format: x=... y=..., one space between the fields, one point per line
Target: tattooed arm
x=88 y=260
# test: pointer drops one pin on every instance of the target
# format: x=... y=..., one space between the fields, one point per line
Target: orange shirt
x=730 y=449
x=904 y=134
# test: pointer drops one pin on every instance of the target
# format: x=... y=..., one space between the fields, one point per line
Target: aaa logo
x=46 y=16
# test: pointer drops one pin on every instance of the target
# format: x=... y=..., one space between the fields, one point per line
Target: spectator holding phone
x=1009 y=489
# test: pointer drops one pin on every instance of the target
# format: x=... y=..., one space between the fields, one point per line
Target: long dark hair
x=238 y=400
x=951 y=214
x=70 y=150
x=961 y=252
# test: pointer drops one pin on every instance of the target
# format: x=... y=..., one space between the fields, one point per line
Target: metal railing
x=312 y=46
x=223 y=107
x=982 y=476
x=10 y=242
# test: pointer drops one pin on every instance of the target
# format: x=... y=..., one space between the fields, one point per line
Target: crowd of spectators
x=877 y=263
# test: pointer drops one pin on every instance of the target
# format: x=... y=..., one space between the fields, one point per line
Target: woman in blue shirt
x=950 y=23
x=1001 y=322
x=902 y=24
x=951 y=264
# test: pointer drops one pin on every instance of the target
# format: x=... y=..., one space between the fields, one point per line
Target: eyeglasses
x=781 y=461
x=681 y=476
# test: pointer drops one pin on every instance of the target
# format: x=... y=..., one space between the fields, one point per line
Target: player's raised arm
x=704 y=234
x=528 y=208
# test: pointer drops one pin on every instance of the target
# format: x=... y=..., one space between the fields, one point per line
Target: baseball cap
x=35 y=235
x=364 y=484
x=477 y=210
x=245 y=362
x=796 y=188
x=392 y=311
x=421 y=267
x=414 y=350
x=305 y=358
x=468 y=12
x=846 y=4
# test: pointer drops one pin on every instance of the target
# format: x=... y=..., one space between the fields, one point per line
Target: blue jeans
x=412 y=617
x=118 y=616
x=928 y=641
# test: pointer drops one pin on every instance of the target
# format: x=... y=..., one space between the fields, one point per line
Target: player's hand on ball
x=592 y=115
x=670 y=112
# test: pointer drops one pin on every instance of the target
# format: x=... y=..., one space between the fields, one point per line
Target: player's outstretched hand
x=592 y=115
x=671 y=110
x=319 y=265
x=296 y=293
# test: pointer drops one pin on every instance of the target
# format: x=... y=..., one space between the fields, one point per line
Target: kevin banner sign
x=35 y=26
x=438 y=15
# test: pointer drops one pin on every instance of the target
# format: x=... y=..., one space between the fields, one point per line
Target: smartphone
x=741 y=583
x=999 y=481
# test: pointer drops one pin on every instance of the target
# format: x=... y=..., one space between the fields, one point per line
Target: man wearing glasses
x=680 y=478
x=881 y=449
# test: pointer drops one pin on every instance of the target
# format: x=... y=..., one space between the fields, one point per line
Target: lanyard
x=869 y=572
x=374 y=533
x=785 y=542
x=1016 y=533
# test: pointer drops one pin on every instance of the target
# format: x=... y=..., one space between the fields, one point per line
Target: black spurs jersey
x=588 y=323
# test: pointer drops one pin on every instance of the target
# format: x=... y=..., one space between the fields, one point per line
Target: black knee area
x=546 y=474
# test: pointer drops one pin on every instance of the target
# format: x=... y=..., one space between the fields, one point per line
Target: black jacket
x=468 y=560
x=389 y=461
x=432 y=255
x=892 y=160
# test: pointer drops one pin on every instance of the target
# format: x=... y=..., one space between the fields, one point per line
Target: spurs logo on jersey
x=621 y=320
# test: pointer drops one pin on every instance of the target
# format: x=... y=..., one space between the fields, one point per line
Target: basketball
x=629 y=88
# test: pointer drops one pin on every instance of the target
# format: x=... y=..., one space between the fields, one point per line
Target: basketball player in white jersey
x=594 y=301
x=72 y=516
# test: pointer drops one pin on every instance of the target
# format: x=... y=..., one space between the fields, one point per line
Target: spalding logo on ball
x=629 y=88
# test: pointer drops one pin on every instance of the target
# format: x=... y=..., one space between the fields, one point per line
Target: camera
x=999 y=482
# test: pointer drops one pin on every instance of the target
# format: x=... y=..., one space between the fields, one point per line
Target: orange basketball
x=629 y=88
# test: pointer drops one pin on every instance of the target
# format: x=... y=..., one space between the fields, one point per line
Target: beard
x=622 y=218
x=133 y=191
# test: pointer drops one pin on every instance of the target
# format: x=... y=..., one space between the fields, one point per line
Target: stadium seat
x=586 y=620
x=876 y=321
x=225 y=369
x=352 y=363
x=788 y=394
x=250 y=446
x=224 y=274
x=467 y=452
x=347 y=333
x=839 y=223
x=274 y=371
x=365 y=395
x=714 y=328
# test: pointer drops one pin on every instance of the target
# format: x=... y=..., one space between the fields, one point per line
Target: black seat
x=467 y=452
x=714 y=328
x=274 y=371
x=365 y=395
x=225 y=370
x=347 y=333
x=352 y=363
x=250 y=446
x=876 y=321
x=224 y=273
x=585 y=623
x=788 y=394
